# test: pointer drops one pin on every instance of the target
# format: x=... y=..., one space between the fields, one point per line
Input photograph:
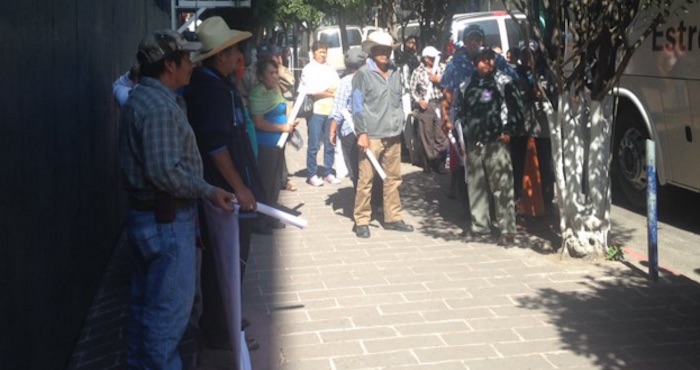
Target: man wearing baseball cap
x=460 y=70
x=162 y=172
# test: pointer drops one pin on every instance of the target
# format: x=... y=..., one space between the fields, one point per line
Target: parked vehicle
x=659 y=99
x=499 y=28
x=331 y=35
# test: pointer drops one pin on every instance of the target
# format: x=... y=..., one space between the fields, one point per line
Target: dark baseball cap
x=162 y=43
x=473 y=28
x=355 y=57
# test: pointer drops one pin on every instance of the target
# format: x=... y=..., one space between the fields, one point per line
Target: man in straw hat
x=217 y=116
x=378 y=118
x=162 y=172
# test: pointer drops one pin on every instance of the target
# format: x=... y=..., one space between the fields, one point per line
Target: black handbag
x=307 y=107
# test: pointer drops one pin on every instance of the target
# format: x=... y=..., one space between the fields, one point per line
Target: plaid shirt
x=157 y=148
x=342 y=101
x=421 y=86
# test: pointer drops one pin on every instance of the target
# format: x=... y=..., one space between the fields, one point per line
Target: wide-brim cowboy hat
x=378 y=38
x=215 y=36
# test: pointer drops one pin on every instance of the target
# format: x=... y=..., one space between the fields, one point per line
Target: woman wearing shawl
x=269 y=110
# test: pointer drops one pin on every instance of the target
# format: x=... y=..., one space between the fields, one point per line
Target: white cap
x=430 y=51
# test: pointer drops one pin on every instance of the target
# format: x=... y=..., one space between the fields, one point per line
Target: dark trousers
x=349 y=145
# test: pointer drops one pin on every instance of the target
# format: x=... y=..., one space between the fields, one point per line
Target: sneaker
x=331 y=179
x=314 y=181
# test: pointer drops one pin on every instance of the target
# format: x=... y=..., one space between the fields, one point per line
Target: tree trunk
x=580 y=138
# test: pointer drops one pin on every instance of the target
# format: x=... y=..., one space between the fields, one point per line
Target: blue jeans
x=319 y=126
x=162 y=287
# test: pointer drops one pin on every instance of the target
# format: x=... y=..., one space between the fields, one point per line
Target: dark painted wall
x=61 y=205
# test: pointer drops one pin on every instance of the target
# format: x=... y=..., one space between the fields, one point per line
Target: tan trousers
x=388 y=153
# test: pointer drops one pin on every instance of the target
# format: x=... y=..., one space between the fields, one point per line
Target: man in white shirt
x=320 y=80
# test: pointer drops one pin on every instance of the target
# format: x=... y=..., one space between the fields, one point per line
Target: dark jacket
x=217 y=116
x=491 y=106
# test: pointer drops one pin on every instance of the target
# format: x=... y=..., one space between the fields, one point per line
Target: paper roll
x=375 y=164
x=292 y=115
x=282 y=216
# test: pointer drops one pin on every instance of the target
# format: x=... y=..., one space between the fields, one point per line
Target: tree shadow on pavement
x=424 y=195
x=618 y=319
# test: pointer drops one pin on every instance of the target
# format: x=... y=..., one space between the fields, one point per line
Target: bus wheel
x=629 y=159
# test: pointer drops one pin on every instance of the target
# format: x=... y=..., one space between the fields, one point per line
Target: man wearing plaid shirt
x=426 y=94
x=162 y=171
x=354 y=59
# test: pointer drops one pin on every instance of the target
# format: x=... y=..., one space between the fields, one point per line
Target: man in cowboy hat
x=162 y=172
x=217 y=116
x=378 y=118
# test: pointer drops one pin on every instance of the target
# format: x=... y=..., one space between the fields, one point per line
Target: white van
x=499 y=28
x=331 y=35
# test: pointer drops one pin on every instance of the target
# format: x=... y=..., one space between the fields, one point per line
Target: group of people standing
x=498 y=106
x=194 y=141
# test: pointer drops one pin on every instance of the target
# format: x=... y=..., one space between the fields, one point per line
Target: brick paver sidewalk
x=320 y=298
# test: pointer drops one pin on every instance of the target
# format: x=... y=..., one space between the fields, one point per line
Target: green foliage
x=603 y=36
x=615 y=253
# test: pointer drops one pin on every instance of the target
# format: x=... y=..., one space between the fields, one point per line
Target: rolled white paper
x=375 y=164
x=282 y=216
x=292 y=115
x=463 y=152
x=436 y=63
x=453 y=141
x=347 y=116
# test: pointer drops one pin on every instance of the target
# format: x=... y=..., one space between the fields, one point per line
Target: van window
x=493 y=36
x=331 y=38
x=514 y=32
x=354 y=37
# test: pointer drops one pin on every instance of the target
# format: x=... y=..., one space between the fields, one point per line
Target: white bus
x=659 y=98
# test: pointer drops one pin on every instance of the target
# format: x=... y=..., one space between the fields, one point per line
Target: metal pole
x=652 y=227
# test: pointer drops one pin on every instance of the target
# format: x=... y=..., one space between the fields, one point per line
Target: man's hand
x=246 y=199
x=435 y=78
x=446 y=125
x=222 y=199
x=505 y=138
x=332 y=135
x=363 y=142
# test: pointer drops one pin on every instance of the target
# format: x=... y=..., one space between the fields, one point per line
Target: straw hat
x=378 y=38
x=215 y=36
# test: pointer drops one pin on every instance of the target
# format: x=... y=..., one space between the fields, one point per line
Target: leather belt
x=150 y=204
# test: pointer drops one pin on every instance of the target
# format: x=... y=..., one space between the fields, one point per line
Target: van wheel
x=629 y=158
